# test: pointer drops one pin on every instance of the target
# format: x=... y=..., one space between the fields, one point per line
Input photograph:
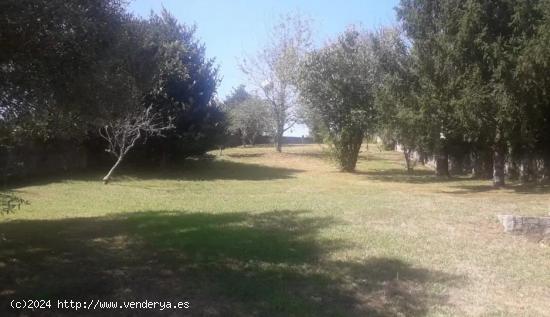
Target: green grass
x=256 y=233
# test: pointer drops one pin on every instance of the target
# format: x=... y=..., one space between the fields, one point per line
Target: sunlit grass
x=254 y=232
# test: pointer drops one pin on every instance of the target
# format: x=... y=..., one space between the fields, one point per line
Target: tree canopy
x=338 y=84
x=69 y=68
x=462 y=82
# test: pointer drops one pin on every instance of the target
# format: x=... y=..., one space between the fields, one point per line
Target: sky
x=233 y=29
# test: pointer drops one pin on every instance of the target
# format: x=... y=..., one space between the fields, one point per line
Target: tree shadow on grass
x=540 y=189
x=324 y=155
x=244 y=155
x=400 y=175
x=460 y=182
x=232 y=264
x=374 y=156
x=207 y=170
x=190 y=169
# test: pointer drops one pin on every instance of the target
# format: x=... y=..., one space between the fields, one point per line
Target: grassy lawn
x=256 y=233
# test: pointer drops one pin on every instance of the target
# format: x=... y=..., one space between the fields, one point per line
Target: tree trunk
x=348 y=150
x=513 y=169
x=348 y=157
x=476 y=165
x=545 y=177
x=279 y=141
x=498 y=168
x=482 y=162
x=525 y=169
x=422 y=158
x=407 y=154
x=457 y=164
x=442 y=162
x=107 y=177
x=499 y=153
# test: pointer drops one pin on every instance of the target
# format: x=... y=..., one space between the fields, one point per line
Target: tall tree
x=273 y=71
x=532 y=71
x=489 y=40
x=396 y=94
x=427 y=24
x=338 y=83
x=184 y=90
x=49 y=48
x=248 y=115
x=68 y=68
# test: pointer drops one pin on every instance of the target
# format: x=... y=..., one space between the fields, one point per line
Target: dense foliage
x=477 y=84
x=69 y=68
x=400 y=118
x=248 y=115
x=462 y=82
x=49 y=49
x=338 y=84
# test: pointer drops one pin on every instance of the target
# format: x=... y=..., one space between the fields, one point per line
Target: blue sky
x=232 y=29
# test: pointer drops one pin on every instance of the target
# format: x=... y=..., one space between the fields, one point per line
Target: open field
x=256 y=233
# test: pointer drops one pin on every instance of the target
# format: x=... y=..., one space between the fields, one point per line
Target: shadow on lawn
x=190 y=169
x=371 y=156
x=323 y=155
x=214 y=169
x=516 y=187
x=401 y=175
x=244 y=155
x=234 y=264
x=460 y=182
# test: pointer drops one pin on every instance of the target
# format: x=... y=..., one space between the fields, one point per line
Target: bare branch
x=123 y=133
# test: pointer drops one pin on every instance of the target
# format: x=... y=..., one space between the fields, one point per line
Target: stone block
x=525 y=225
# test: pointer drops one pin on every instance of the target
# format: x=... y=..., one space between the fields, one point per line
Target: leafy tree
x=237 y=96
x=427 y=24
x=473 y=64
x=490 y=38
x=396 y=95
x=119 y=86
x=68 y=68
x=184 y=90
x=273 y=71
x=534 y=85
x=48 y=50
x=50 y=53
x=313 y=121
x=249 y=115
x=338 y=83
